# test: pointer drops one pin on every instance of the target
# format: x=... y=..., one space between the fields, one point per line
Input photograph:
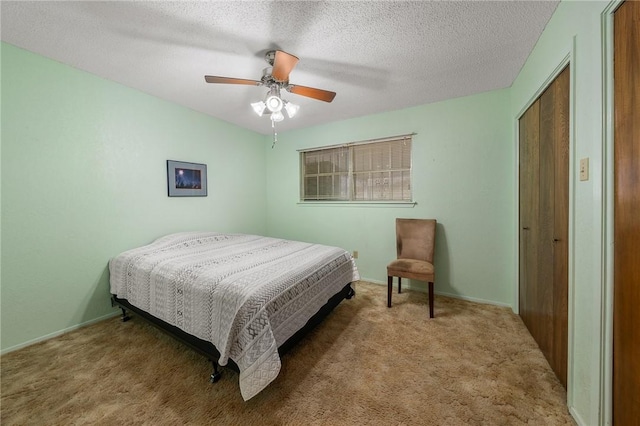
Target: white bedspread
x=246 y=294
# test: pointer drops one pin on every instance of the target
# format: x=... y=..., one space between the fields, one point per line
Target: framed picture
x=186 y=179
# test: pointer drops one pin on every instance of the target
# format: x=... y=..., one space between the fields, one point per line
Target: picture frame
x=186 y=179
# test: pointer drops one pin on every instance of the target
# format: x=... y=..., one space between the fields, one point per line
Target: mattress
x=246 y=294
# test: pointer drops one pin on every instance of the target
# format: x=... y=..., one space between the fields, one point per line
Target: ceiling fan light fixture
x=277 y=116
x=259 y=107
x=274 y=103
x=292 y=109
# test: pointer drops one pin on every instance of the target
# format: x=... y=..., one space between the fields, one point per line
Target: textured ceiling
x=377 y=55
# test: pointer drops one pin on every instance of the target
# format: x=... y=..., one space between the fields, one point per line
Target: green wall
x=575 y=31
x=84 y=178
x=463 y=176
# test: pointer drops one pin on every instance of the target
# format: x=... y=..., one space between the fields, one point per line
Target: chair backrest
x=415 y=238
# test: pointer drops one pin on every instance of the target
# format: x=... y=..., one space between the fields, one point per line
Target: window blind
x=365 y=171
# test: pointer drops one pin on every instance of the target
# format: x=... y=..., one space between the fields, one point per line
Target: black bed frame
x=209 y=350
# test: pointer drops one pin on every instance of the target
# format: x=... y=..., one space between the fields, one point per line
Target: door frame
x=606 y=343
x=569 y=59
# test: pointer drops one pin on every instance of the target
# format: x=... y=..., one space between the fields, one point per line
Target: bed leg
x=351 y=293
x=125 y=317
x=215 y=376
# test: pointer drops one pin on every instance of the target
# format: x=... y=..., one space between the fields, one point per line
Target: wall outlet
x=355 y=254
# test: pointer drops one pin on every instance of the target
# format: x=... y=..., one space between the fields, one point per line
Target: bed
x=240 y=299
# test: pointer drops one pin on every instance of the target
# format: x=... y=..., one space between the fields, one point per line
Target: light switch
x=584 y=169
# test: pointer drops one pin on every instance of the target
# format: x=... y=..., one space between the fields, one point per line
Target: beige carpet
x=365 y=364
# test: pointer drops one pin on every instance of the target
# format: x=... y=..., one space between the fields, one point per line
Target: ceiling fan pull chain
x=275 y=134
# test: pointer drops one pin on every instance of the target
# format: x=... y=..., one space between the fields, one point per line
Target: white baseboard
x=576 y=417
x=58 y=333
x=455 y=296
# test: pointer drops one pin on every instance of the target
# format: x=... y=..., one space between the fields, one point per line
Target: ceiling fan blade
x=228 y=80
x=310 y=92
x=282 y=65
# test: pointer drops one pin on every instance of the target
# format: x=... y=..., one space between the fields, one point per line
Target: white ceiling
x=376 y=55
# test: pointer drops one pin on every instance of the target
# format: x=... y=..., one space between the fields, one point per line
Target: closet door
x=626 y=297
x=544 y=222
x=529 y=156
x=545 y=285
x=560 y=234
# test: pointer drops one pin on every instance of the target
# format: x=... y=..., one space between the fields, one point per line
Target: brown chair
x=415 y=243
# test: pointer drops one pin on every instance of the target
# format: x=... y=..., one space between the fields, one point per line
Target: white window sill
x=404 y=204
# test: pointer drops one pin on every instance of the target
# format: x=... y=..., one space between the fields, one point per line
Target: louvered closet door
x=544 y=222
x=626 y=303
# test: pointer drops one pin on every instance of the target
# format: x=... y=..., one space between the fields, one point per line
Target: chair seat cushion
x=410 y=266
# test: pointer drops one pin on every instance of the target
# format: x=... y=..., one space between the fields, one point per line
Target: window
x=378 y=170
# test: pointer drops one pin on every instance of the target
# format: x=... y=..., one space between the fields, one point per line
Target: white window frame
x=342 y=184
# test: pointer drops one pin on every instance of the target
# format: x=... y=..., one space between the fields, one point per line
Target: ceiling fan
x=275 y=78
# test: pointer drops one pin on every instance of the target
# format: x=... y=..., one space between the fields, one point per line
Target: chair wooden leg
x=399 y=285
x=430 y=300
x=389 y=290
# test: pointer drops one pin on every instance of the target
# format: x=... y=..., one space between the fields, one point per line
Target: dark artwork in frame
x=186 y=179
